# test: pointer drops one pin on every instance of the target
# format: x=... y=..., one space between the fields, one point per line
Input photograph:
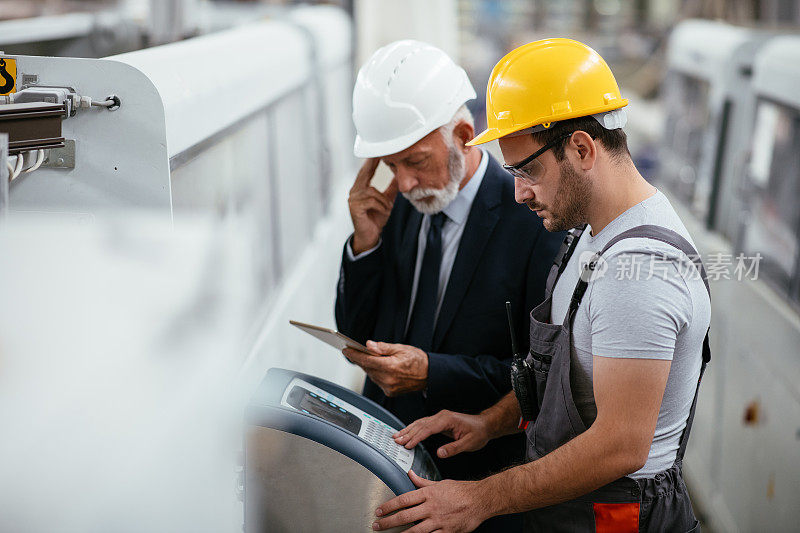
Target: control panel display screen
x=309 y=402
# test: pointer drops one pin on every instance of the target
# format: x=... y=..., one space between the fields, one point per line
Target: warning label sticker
x=8 y=75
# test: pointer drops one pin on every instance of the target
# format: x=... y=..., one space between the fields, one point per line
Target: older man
x=432 y=267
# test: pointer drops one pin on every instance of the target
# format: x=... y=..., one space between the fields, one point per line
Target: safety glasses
x=530 y=169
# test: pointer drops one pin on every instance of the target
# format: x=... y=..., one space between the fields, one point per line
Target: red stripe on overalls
x=616 y=517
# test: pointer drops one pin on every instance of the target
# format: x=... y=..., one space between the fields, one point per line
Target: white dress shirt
x=457 y=212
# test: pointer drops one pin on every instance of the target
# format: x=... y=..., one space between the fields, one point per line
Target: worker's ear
x=584 y=147
x=462 y=134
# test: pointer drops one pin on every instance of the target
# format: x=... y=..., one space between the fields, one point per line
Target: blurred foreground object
x=117 y=367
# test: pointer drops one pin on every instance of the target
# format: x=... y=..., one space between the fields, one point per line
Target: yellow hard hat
x=545 y=81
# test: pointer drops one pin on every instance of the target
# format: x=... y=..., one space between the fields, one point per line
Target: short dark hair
x=614 y=141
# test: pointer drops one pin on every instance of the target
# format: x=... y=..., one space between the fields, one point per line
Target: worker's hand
x=469 y=432
x=396 y=370
x=369 y=208
x=447 y=506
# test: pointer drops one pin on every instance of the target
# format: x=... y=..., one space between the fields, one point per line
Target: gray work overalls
x=653 y=504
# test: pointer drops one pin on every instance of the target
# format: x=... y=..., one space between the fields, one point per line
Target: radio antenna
x=511 y=330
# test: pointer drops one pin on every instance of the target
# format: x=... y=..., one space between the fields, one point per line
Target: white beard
x=441 y=198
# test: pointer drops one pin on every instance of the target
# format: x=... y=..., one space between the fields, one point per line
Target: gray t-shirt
x=646 y=302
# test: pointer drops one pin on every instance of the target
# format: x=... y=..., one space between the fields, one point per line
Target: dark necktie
x=420 y=329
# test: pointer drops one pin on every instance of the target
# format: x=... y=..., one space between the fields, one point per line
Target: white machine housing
x=741 y=462
x=710 y=107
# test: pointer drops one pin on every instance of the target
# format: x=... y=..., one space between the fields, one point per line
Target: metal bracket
x=61 y=157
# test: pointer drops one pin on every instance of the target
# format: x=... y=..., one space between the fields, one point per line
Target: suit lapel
x=480 y=224
x=406 y=262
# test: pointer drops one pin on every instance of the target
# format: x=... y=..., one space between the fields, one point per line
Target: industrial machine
x=320 y=455
x=710 y=108
x=210 y=189
x=734 y=131
x=260 y=152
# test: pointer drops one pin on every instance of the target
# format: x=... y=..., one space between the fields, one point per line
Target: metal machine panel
x=339 y=128
x=777 y=70
x=223 y=77
x=760 y=474
x=218 y=178
x=299 y=501
x=741 y=464
x=231 y=178
x=765 y=67
x=780 y=481
x=741 y=444
x=296 y=187
x=330 y=28
x=328 y=94
x=711 y=107
x=767 y=329
x=702 y=47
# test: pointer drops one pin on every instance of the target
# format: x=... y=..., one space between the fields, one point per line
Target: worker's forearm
x=503 y=417
x=582 y=465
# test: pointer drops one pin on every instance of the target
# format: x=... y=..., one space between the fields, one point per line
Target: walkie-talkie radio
x=522 y=377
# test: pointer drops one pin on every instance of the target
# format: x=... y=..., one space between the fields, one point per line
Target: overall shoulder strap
x=646 y=231
x=658 y=233
x=562 y=258
x=676 y=240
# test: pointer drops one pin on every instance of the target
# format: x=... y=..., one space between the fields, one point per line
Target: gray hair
x=462 y=114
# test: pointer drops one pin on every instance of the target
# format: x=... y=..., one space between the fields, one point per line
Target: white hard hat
x=403 y=92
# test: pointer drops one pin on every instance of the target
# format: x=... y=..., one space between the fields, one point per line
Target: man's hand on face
x=396 y=370
x=469 y=432
x=369 y=208
x=447 y=506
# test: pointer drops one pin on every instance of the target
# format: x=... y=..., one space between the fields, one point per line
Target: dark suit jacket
x=504 y=254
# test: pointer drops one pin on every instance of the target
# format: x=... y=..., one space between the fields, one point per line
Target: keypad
x=380 y=436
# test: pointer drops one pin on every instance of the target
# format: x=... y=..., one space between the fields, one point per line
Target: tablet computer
x=332 y=337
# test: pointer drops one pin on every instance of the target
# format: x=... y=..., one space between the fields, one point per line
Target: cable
x=104 y=103
x=18 y=168
x=15 y=172
x=39 y=161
